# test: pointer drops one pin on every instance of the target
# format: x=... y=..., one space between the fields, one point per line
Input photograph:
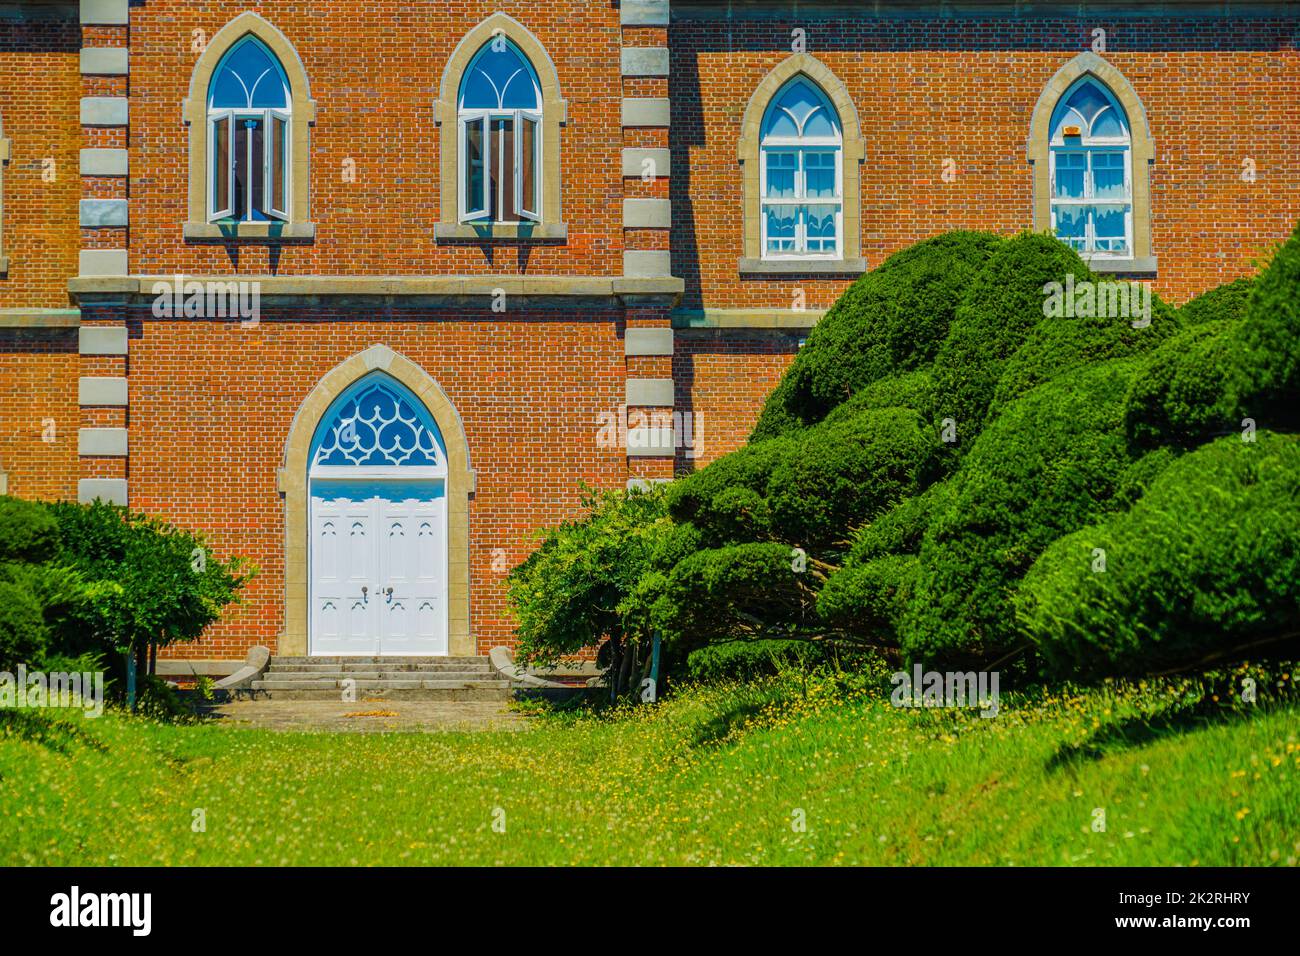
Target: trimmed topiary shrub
x=1203 y=569
x=726 y=501
x=809 y=490
x=914 y=390
x=892 y=319
x=776 y=418
x=1181 y=395
x=1225 y=303
x=1003 y=303
x=901 y=529
x=845 y=473
x=866 y=602
x=1049 y=464
x=1265 y=378
x=1059 y=345
x=750 y=660
x=741 y=592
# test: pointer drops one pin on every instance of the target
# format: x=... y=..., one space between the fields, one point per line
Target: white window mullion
x=248 y=170
x=266 y=160
x=517 y=159
x=501 y=171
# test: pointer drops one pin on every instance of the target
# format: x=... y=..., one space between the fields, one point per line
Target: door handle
x=389 y=592
x=365 y=591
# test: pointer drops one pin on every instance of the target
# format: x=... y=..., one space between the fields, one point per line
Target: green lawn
x=717 y=775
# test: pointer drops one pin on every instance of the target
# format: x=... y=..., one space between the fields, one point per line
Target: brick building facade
x=548 y=229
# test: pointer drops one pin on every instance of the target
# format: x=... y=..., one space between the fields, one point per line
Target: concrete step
x=387 y=661
x=363 y=686
x=373 y=674
x=290 y=668
x=461 y=692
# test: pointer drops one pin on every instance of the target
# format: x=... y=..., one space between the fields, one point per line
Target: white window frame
x=267 y=116
x=1089 y=146
x=801 y=148
x=492 y=154
x=216 y=117
x=285 y=173
x=802 y=145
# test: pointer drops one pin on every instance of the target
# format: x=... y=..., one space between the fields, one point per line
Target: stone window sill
x=1145 y=265
x=250 y=230
x=524 y=230
x=844 y=267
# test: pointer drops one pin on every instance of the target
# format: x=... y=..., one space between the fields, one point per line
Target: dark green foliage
x=1182 y=397
x=845 y=473
x=901 y=529
x=740 y=592
x=891 y=320
x=34 y=594
x=1139 y=476
x=1225 y=303
x=27 y=531
x=811 y=488
x=1002 y=305
x=1265 y=377
x=1059 y=345
x=144 y=580
x=726 y=500
x=1205 y=567
x=866 y=602
x=776 y=418
x=750 y=660
x=857 y=521
x=1049 y=464
x=566 y=595
x=914 y=390
x=23 y=634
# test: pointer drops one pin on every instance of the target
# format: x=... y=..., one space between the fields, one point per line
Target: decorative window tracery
x=378 y=426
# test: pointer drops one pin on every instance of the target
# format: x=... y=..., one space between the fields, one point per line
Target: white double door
x=378 y=567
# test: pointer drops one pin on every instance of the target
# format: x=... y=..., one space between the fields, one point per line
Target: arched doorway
x=377 y=525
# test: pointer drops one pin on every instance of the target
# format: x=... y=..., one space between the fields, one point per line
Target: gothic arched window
x=499 y=121
x=249 y=112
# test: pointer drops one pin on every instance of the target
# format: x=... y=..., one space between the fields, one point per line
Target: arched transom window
x=375 y=424
x=248 y=136
x=1091 y=171
x=500 y=134
x=801 y=157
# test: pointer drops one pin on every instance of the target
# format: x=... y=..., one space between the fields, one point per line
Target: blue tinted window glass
x=499 y=78
x=249 y=78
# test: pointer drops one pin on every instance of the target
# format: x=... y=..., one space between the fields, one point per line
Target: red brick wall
x=211 y=403
x=722 y=377
x=1215 y=92
x=40 y=88
x=207 y=437
x=374 y=72
x=38 y=411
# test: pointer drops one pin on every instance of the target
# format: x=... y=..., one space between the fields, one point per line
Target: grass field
x=766 y=774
